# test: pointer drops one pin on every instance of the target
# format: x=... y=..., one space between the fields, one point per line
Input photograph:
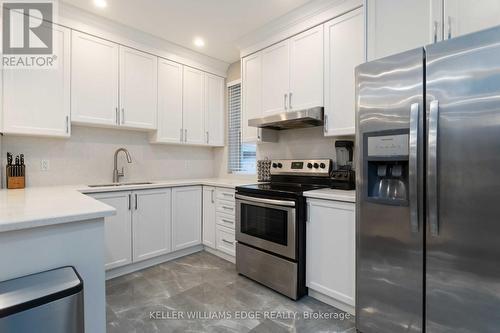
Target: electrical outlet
x=44 y=165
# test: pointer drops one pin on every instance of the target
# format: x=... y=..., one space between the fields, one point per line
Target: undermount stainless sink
x=120 y=184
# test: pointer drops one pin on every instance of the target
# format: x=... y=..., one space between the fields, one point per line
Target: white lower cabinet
x=151 y=223
x=225 y=240
x=209 y=216
x=118 y=229
x=186 y=217
x=331 y=250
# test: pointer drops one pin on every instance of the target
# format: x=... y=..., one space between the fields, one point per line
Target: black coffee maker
x=343 y=176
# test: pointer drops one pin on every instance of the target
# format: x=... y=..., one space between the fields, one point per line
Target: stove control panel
x=301 y=167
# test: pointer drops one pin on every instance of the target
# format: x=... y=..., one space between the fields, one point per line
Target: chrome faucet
x=117 y=174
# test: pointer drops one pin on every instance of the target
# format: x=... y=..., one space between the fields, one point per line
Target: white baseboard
x=332 y=301
x=221 y=254
x=151 y=262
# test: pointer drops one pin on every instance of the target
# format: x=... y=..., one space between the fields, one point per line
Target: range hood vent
x=292 y=119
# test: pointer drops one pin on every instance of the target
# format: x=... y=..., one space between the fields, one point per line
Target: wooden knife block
x=18 y=181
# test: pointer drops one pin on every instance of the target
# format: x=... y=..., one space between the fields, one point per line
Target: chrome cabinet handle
x=136 y=202
x=325 y=125
x=122 y=118
x=227 y=242
x=185 y=135
x=213 y=201
x=181 y=135
x=67 y=124
x=284 y=101
x=413 y=165
x=290 y=100
x=129 y=201
x=449 y=27
x=435 y=29
x=208 y=137
x=117 y=116
x=432 y=170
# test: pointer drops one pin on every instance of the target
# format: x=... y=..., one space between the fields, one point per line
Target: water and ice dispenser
x=386 y=167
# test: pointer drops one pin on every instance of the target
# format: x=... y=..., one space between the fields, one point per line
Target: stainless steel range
x=271 y=224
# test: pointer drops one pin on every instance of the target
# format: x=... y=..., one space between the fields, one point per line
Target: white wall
x=87 y=157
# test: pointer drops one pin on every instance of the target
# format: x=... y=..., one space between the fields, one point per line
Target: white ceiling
x=219 y=22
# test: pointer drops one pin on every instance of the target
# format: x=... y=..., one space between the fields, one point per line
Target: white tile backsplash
x=87 y=157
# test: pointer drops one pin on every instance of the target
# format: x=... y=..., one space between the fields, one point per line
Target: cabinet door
x=37 y=101
x=169 y=103
x=466 y=16
x=397 y=26
x=138 y=89
x=331 y=249
x=344 y=50
x=193 y=106
x=94 y=80
x=275 y=78
x=209 y=216
x=306 y=70
x=186 y=217
x=214 y=110
x=151 y=223
x=117 y=229
x=251 y=95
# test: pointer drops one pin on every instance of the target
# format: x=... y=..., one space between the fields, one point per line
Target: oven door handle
x=267 y=201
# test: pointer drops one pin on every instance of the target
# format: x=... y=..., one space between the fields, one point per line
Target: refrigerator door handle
x=413 y=165
x=432 y=169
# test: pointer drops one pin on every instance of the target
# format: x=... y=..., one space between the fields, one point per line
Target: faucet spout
x=117 y=174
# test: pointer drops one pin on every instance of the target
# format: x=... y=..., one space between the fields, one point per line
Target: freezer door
x=463 y=184
x=389 y=217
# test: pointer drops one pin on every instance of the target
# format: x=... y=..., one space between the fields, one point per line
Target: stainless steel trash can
x=50 y=301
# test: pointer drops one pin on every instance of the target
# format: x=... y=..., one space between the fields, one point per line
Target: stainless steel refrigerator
x=428 y=189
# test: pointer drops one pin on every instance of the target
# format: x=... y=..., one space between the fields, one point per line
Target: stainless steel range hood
x=292 y=119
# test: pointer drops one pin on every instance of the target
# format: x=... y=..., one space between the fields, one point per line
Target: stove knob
x=275 y=165
x=322 y=165
x=316 y=165
x=280 y=165
x=309 y=165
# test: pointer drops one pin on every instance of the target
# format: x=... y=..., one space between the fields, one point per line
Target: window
x=241 y=156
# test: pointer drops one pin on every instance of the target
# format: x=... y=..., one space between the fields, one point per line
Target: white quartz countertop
x=331 y=194
x=44 y=206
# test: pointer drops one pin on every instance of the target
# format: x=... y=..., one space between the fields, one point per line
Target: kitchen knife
x=16 y=170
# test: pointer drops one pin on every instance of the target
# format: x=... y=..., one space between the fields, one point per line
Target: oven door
x=267 y=224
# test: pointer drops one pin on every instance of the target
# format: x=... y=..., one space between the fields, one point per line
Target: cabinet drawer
x=226 y=240
x=224 y=194
x=224 y=220
x=226 y=207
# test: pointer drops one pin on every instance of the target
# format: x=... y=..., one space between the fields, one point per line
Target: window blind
x=241 y=156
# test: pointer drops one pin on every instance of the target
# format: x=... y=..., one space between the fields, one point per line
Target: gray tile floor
x=205 y=285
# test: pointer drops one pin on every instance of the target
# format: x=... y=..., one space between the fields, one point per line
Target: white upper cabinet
x=214 y=110
x=193 y=106
x=37 y=101
x=138 y=89
x=169 y=103
x=186 y=216
x=306 y=70
x=397 y=26
x=94 y=80
x=251 y=94
x=275 y=78
x=152 y=223
x=344 y=50
x=466 y=16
